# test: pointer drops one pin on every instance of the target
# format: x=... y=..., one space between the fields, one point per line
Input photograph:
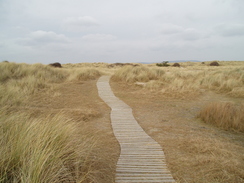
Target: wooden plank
x=142 y=158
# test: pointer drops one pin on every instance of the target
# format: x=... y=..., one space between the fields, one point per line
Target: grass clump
x=20 y=81
x=132 y=74
x=39 y=71
x=49 y=149
x=84 y=74
x=188 y=81
x=181 y=84
x=229 y=81
x=225 y=115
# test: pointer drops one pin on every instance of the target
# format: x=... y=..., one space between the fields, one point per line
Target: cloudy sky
x=73 y=31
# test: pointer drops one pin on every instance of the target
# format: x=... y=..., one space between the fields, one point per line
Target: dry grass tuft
x=140 y=73
x=19 y=81
x=181 y=84
x=83 y=74
x=39 y=71
x=50 y=149
x=211 y=160
x=229 y=81
x=225 y=115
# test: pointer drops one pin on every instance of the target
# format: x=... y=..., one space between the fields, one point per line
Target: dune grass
x=51 y=149
x=226 y=115
x=186 y=81
x=132 y=74
x=42 y=149
x=20 y=81
x=229 y=81
x=39 y=71
x=83 y=74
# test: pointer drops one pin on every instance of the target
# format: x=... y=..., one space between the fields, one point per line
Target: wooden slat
x=141 y=158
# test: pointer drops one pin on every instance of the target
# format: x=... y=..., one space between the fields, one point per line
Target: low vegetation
x=188 y=81
x=50 y=149
x=132 y=74
x=37 y=145
x=226 y=115
x=176 y=65
x=42 y=149
x=56 y=64
x=20 y=81
x=228 y=81
x=83 y=74
x=163 y=64
x=214 y=63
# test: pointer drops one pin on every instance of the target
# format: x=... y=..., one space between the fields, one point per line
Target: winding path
x=142 y=158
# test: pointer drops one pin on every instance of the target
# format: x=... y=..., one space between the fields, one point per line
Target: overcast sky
x=73 y=31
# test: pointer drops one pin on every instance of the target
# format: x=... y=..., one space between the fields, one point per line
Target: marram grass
x=186 y=81
x=42 y=149
x=20 y=81
x=50 y=149
x=137 y=73
x=226 y=115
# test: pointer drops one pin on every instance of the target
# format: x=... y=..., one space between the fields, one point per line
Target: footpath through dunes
x=142 y=158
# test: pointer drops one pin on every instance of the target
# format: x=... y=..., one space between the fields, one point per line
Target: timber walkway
x=141 y=159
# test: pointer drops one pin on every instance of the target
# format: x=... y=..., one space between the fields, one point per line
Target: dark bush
x=56 y=64
x=176 y=65
x=214 y=63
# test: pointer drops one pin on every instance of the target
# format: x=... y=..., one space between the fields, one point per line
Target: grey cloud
x=2 y=44
x=179 y=32
x=79 y=23
x=171 y=29
x=99 y=37
x=125 y=30
x=40 y=37
x=191 y=34
x=229 y=30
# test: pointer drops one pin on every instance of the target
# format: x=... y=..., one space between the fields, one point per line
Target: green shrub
x=163 y=64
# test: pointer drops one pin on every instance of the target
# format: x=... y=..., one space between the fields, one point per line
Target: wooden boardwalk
x=141 y=158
